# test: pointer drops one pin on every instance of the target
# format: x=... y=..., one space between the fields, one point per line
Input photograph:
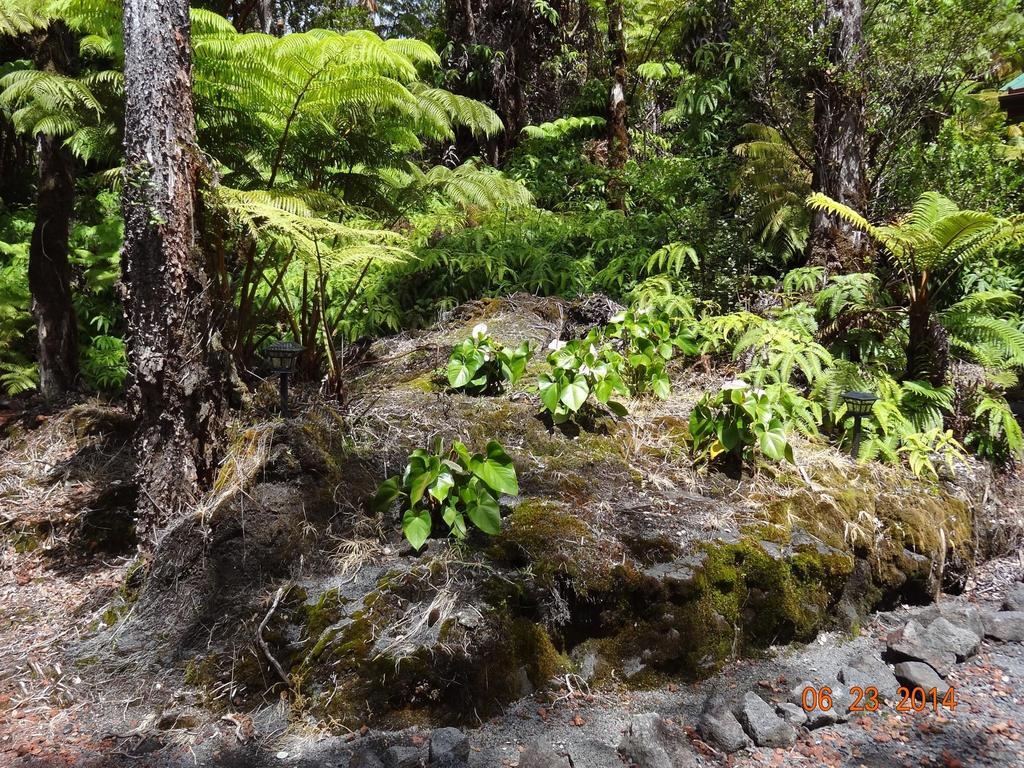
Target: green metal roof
x=1014 y=85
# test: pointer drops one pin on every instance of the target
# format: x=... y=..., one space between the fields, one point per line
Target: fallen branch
x=263 y=643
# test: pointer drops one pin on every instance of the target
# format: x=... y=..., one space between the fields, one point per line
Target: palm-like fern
x=773 y=184
x=18 y=17
x=928 y=246
x=83 y=110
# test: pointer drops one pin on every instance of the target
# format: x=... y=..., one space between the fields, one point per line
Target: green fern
x=773 y=183
x=996 y=434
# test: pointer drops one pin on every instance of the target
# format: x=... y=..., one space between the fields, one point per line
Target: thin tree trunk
x=839 y=103
x=49 y=271
x=618 y=136
x=174 y=352
x=927 y=341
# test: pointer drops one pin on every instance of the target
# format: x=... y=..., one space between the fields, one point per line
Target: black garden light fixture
x=281 y=356
x=858 y=405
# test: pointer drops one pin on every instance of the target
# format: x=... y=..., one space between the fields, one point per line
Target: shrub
x=647 y=343
x=447 y=487
x=479 y=366
x=579 y=369
x=739 y=421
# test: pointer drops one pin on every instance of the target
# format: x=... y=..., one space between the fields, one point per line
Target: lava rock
x=649 y=743
x=365 y=758
x=449 y=748
x=792 y=713
x=960 y=640
x=542 y=755
x=1005 y=626
x=719 y=726
x=404 y=757
x=917 y=674
x=958 y=612
x=869 y=671
x=838 y=712
x=1014 y=600
x=762 y=724
x=539 y=754
x=917 y=643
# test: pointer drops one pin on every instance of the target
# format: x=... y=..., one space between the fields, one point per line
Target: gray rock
x=649 y=743
x=916 y=643
x=405 y=757
x=365 y=758
x=960 y=640
x=719 y=726
x=957 y=612
x=1014 y=600
x=762 y=724
x=449 y=748
x=838 y=694
x=540 y=754
x=1005 y=626
x=917 y=674
x=792 y=713
x=678 y=575
x=869 y=671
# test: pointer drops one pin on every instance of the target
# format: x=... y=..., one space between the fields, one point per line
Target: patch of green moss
x=553 y=543
x=427 y=382
x=741 y=599
x=318 y=616
x=532 y=648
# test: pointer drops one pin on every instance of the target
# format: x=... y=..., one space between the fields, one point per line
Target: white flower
x=479 y=330
x=556 y=345
x=735 y=384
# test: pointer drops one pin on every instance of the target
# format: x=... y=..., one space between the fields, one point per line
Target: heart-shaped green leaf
x=496 y=471
x=485 y=514
x=416 y=527
x=774 y=444
x=387 y=493
x=575 y=393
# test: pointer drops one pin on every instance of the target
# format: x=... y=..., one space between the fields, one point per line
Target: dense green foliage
x=739 y=420
x=360 y=181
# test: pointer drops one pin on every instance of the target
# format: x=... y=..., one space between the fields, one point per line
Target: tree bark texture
x=174 y=351
x=839 y=171
x=618 y=135
x=49 y=270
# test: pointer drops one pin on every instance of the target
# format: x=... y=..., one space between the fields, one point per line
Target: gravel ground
x=39 y=728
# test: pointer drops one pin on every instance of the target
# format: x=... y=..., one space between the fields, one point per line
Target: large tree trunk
x=49 y=271
x=618 y=136
x=839 y=172
x=174 y=351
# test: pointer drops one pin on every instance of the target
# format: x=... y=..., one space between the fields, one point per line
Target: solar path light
x=858 y=405
x=282 y=356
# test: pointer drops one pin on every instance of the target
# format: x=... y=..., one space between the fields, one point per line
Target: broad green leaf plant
x=739 y=421
x=579 y=369
x=647 y=342
x=450 y=488
x=479 y=366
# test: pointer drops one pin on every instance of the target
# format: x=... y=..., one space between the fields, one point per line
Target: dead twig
x=263 y=643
